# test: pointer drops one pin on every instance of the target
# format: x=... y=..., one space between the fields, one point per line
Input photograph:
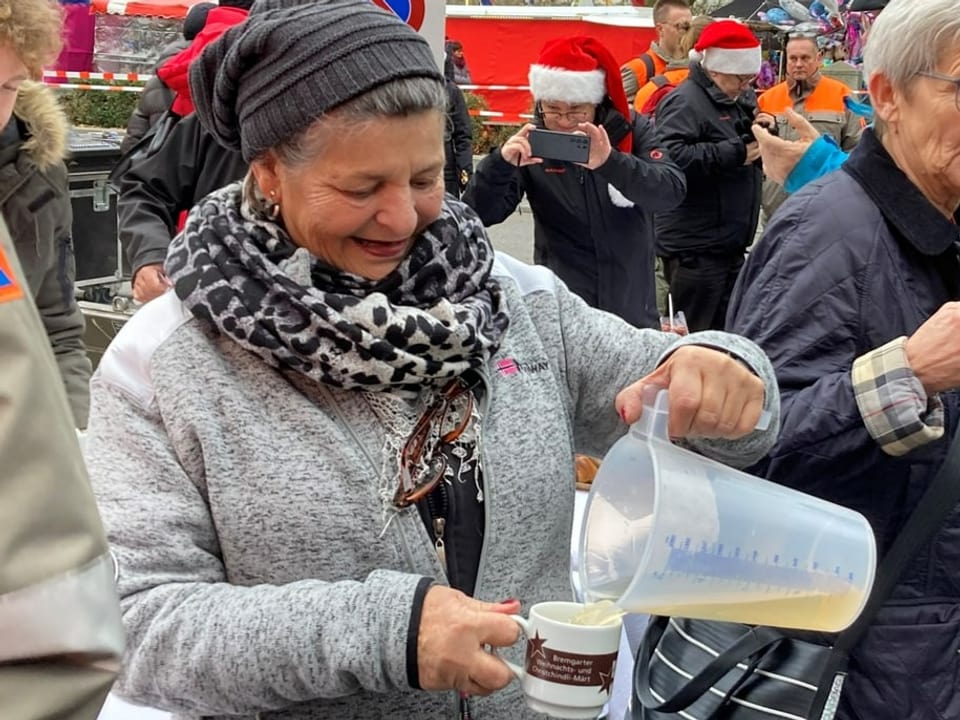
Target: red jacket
x=175 y=72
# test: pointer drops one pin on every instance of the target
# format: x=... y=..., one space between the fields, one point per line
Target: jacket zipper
x=438 y=507
x=487 y=495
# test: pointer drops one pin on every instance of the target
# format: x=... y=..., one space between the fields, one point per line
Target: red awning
x=152 y=8
x=499 y=52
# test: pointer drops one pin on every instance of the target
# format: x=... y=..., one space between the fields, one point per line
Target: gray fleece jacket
x=258 y=575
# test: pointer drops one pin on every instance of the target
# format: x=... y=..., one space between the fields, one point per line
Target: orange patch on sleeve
x=10 y=289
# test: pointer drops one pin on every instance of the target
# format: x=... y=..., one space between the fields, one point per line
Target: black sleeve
x=678 y=126
x=153 y=192
x=413 y=633
x=462 y=132
x=647 y=175
x=495 y=189
x=155 y=99
x=137 y=127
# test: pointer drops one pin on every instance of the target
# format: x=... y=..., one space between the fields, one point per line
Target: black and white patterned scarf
x=438 y=314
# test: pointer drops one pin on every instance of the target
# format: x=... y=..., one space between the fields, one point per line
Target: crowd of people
x=334 y=450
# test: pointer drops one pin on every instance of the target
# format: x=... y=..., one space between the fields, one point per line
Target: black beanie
x=195 y=20
x=264 y=81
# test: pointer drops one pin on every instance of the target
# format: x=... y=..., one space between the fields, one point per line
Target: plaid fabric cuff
x=894 y=406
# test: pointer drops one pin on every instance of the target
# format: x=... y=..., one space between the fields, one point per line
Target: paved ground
x=515 y=235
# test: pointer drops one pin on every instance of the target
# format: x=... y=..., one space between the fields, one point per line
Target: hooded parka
x=35 y=201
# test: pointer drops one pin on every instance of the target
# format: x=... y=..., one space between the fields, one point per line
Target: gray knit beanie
x=260 y=6
x=269 y=78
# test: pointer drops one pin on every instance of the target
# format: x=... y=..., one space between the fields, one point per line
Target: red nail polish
x=623 y=414
x=509 y=600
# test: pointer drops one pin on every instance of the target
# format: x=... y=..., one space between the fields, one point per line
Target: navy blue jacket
x=850 y=262
x=602 y=251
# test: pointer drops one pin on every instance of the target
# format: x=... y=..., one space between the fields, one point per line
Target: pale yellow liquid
x=602 y=612
x=820 y=611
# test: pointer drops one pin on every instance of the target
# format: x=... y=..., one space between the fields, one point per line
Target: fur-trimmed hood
x=47 y=125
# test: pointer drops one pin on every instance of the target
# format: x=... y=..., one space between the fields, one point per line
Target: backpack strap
x=649 y=65
x=664 y=86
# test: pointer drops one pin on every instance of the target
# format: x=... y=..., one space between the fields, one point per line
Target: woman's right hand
x=516 y=150
x=454 y=629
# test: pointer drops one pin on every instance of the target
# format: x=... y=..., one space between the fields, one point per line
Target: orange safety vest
x=672 y=77
x=639 y=67
x=827 y=96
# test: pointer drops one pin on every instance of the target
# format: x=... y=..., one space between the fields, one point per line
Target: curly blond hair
x=32 y=29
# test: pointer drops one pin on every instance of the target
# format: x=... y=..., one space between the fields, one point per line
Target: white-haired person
x=853 y=291
x=705 y=125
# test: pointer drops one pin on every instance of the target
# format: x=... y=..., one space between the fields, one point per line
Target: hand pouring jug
x=670 y=532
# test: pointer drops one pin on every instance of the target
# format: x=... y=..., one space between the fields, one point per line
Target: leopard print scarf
x=438 y=314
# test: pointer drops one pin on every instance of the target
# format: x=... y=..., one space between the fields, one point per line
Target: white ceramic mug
x=568 y=671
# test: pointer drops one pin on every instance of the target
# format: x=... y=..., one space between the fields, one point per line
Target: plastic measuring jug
x=670 y=532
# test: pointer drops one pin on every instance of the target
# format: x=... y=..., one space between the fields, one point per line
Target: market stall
x=129 y=35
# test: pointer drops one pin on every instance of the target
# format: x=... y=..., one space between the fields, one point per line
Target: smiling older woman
x=349 y=417
x=853 y=292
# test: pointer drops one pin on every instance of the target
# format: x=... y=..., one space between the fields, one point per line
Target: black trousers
x=701 y=287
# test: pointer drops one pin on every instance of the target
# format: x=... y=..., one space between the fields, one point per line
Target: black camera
x=773 y=128
x=743 y=128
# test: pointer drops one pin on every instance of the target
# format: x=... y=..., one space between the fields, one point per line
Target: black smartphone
x=552 y=145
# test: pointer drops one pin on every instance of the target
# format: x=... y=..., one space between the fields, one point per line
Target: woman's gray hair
x=395 y=99
x=910 y=37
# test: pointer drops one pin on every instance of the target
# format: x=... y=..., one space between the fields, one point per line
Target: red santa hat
x=579 y=70
x=728 y=46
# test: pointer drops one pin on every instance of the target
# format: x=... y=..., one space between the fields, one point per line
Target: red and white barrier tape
x=110 y=88
x=84 y=75
x=502 y=116
x=494 y=87
x=135 y=77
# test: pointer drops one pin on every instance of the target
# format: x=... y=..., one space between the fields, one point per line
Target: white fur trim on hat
x=618 y=198
x=550 y=83
x=741 y=61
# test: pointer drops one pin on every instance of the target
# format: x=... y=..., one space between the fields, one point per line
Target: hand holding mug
x=454 y=629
